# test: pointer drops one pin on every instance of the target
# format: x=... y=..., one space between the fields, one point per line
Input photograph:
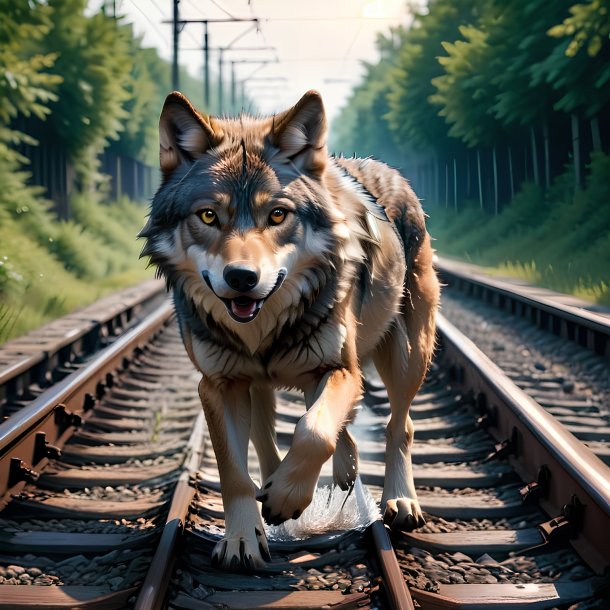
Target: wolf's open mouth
x=243 y=308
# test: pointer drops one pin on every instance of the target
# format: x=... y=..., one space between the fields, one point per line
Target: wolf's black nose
x=240 y=278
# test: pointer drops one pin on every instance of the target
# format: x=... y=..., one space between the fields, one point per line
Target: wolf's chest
x=284 y=362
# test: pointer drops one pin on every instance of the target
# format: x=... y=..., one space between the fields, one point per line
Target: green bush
x=49 y=268
x=556 y=239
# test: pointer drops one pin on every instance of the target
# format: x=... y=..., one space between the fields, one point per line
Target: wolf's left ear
x=184 y=135
x=300 y=134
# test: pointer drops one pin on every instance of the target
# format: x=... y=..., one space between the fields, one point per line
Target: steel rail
x=34 y=357
x=62 y=407
x=395 y=587
x=154 y=588
x=579 y=481
x=587 y=328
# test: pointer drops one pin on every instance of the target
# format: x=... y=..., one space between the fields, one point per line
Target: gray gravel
x=117 y=570
x=81 y=526
x=427 y=570
x=537 y=361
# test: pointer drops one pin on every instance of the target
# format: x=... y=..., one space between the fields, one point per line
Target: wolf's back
x=396 y=196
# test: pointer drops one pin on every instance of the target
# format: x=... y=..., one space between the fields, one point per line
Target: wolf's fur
x=345 y=276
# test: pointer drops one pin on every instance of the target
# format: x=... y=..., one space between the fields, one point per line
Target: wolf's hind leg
x=227 y=411
x=402 y=375
x=262 y=431
x=402 y=360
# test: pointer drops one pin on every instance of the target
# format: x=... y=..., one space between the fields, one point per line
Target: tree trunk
x=510 y=173
x=446 y=184
x=467 y=174
x=547 y=155
x=455 y=203
x=534 y=156
x=495 y=162
x=480 y=178
x=576 y=152
x=595 y=135
x=437 y=192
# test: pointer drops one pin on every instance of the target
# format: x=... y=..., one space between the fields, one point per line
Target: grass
x=554 y=239
x=50 y=268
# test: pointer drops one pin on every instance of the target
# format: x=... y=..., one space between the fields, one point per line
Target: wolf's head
x=243 y=218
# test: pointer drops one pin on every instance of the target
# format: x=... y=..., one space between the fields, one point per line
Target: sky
x=318 y=44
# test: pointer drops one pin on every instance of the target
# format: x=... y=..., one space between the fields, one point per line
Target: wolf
x=291 y=268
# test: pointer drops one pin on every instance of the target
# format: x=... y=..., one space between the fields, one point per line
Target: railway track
x=34 y=362
x=118 y=505
x=539 y=339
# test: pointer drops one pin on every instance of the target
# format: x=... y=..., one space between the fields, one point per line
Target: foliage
x=551 y=238
x=24 y=85
x=414 y=121
x=94 y=61
x=467 y=106
x=48 y=268
x=359 y=122
x=588 y=25
x=470 y=73
x=581 y=78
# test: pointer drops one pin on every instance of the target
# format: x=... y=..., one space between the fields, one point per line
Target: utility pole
x=207 y=51
x=220 y=84
x=262 y=64
x=252 y=78
x=178 y=24
x=176 y=31
x=206 y=66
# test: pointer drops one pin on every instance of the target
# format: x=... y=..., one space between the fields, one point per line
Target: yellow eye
x=277 y=216
x=208 y=216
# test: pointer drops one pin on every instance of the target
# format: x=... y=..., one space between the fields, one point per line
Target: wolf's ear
x=300 y=133
x=184 y=135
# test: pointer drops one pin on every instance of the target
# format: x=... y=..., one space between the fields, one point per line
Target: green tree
x=26 y=86
x=464 y=91
x=94 y=60
x=412 y=118
x=361 y=127
x=578 y=65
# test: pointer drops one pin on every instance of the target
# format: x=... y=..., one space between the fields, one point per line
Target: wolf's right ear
x=184 y=134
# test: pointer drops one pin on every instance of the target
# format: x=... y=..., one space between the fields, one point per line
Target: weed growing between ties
x=49 y=267
x=554 y=239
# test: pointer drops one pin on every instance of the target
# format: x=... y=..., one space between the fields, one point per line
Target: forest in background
x=496 y=110
x=498 y=113
x=72 y=86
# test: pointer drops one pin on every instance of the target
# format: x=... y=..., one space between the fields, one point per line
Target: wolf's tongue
x=243 y=310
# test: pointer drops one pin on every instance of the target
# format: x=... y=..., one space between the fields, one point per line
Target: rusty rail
x=40 y=357
x=586 y=328
x=576 y=485
x=396 y=590
x=39 y=430
x=154 y=589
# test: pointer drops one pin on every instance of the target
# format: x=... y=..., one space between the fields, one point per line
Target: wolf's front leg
x=227 y=410
x=289 y=490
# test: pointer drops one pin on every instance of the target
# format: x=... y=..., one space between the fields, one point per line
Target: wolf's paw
x=287 y=493
x=345 y=461
x=403 y=514
x=243 y=553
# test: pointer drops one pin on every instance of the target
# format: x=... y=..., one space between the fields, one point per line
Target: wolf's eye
x=277 y=216
x=208 y=216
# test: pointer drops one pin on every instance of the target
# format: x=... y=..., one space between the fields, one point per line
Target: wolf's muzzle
x=244 y=308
